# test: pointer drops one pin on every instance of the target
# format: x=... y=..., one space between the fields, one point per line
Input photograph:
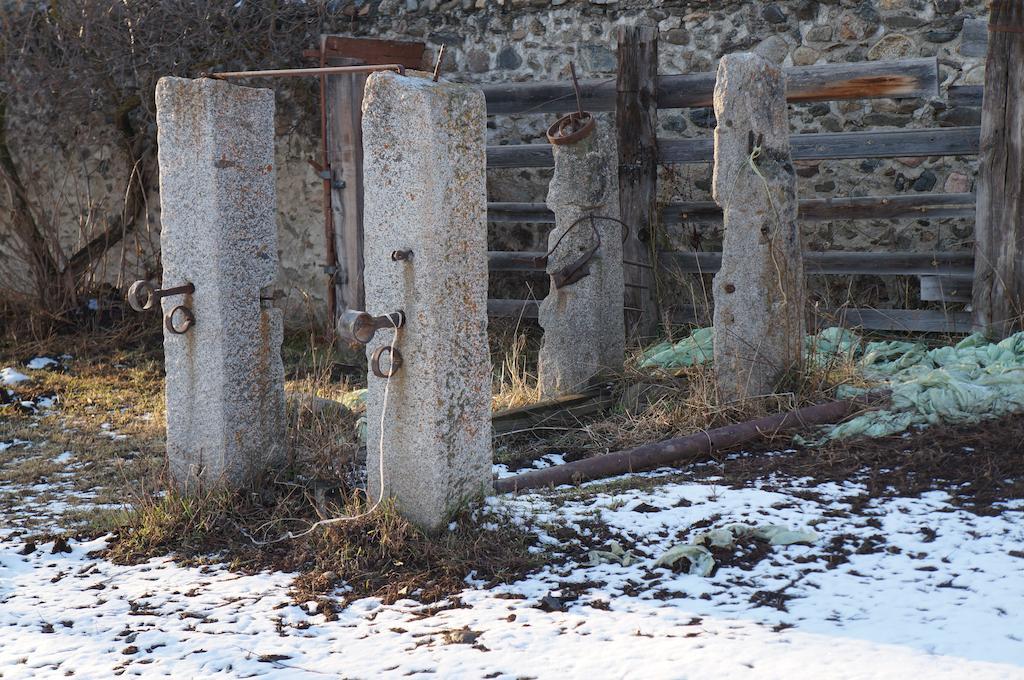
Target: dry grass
x=380 y=554
x=111 y=415
x=653 y=405
x=514 y=359
x=108 y=389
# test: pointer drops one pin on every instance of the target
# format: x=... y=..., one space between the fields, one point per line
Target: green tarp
x=960 y=384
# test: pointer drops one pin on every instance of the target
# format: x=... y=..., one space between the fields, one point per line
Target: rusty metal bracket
x=142 y=295
x=393 y=354
x=580 y=267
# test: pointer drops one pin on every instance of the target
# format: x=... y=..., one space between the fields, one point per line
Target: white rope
x=380 y=459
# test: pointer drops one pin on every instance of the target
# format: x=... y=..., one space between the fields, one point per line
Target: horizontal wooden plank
x=945 y=289
x=901 y=320
x=517 y=261
x=375 y=51
x=903 y=206
x=824 y=82
x=910 y=206
x=824 y=263
x=841 y=263
x=965 y=95
x=516 y=309
x=519 y=212
x=952 y=141
x=552 y=412
x=520 y=156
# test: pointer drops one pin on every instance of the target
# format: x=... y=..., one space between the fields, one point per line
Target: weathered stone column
x=424 y=168
x=584 y=330
x=225 y=378
x=759 y=291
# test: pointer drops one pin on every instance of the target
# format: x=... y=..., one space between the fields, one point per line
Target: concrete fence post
x=425 y=212
x=759 y=290
x=225 y=378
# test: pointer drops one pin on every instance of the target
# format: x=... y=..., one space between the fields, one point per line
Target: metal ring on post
x=396 y=361
x=189 y=320
x=135 y=296
x=571 y=128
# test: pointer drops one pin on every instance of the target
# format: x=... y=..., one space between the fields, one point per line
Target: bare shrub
x=78 y=173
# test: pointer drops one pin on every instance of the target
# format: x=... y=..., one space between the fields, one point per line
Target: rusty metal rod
x=321 y=71
x=690 y=447
x=327 y=175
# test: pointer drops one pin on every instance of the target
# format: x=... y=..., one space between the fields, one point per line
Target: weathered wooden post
x=222 y=341
x=998 y=293
x=582 y=319
x=342 y=125
x=759 y=290
x=636 y=116
x=429 y=424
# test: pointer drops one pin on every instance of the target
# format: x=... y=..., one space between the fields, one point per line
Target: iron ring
x=396 y=361
x=135 y=296
x=187 y=323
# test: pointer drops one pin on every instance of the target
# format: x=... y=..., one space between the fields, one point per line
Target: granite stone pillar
x=759 y=290
x=424 y=162
x=584 y=330
x=225 y=378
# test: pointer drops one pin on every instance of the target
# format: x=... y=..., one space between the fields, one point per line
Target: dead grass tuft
x=379 y=555
x=514 y=358
x=654 y=405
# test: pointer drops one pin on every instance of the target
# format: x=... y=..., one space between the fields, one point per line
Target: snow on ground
x=920 y=588
x=11 y=376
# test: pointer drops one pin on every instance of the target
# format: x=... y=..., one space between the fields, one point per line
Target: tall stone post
x=584 y=330
x=225 y=378
x=424 y=162
x=759 y=290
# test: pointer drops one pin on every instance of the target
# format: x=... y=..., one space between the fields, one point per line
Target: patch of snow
x=923 y=588
x=40 y=363
x=9 y=376
x=64 y=458
x=46 y=403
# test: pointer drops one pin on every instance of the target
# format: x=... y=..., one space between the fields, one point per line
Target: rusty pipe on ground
x=689 y=447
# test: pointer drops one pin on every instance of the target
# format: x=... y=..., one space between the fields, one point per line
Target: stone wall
x=523 y=40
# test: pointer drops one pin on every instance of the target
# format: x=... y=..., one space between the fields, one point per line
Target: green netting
x=964 y=383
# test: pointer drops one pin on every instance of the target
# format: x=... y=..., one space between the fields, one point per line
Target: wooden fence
x=638 y=93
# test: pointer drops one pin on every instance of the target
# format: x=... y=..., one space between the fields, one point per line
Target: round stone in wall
x=805 y=56
x=892 y=46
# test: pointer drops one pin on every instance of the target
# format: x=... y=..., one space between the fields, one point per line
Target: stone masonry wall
x=524 y=40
